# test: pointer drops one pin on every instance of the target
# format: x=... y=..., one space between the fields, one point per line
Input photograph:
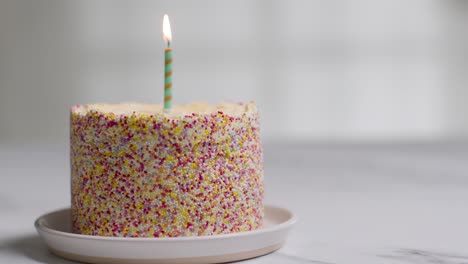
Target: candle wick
x=168 y=43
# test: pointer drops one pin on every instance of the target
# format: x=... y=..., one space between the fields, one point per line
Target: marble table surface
x=356 y=203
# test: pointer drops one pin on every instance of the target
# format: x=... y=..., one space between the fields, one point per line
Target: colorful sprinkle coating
x=158 y=175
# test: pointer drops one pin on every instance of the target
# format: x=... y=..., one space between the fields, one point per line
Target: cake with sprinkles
x=137 y=171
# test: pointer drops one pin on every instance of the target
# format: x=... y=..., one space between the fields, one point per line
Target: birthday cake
x=137 y=171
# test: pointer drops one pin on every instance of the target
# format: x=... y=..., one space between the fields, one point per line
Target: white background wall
x=319 y=70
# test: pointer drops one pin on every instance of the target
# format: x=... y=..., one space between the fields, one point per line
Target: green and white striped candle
x=167 y=34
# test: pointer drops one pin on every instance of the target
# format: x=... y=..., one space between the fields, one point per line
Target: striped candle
x=167 y=35
x=168 y=79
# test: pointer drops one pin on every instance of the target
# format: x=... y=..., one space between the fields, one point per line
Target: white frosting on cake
x=201 y=108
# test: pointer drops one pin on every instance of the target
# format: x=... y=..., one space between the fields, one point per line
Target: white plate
x=55 y=228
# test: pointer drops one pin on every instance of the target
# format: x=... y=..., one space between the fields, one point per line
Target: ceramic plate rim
x=292 y=219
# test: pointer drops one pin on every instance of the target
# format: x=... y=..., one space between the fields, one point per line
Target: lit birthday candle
x=167 y=35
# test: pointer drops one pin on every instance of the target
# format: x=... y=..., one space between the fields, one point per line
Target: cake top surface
x=177 y=111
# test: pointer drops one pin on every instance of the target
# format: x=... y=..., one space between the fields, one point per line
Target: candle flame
x=167 y=33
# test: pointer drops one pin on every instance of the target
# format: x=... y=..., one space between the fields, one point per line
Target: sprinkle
x=141 y=175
